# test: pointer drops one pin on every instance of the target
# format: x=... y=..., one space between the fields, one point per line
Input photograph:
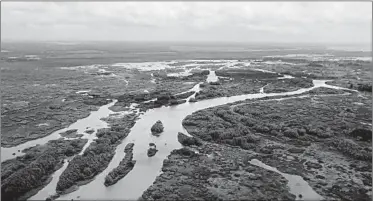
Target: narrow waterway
x=296 y=184
x=146 y=169
x=50 y=189
x=93 y=121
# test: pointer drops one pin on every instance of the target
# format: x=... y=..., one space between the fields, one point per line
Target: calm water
x=146 y=169
x=93 y=121
x=296 y=183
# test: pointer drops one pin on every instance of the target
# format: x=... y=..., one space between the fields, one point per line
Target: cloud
x=297 y=20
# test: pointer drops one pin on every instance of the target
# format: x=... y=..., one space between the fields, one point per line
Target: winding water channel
x=146 y=169
x=297 y=185
x=93 y=121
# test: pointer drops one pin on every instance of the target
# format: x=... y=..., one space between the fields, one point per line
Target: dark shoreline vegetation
x=157 y=128
x=259 y=129
x=318 y=135
x=32 y=171
x=124 y=167
x=83 y=168
x=165 y=92
x=240 y=87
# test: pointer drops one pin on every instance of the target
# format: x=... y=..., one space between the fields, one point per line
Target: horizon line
x=3 y=40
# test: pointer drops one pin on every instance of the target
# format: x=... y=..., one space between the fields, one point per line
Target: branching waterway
x=93 y=121
x=147 y=168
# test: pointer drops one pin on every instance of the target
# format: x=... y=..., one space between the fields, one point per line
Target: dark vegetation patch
x=317 y=130
x=71 y=134
x=192 y=176
x=31 y=171
x=164 y=92
x=188 y=141
x=124 y=167
x=285 y=85
x=83 y=168
x=157 y=128
x=245 y=74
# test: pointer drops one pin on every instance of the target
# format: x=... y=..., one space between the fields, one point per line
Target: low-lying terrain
x=124 y=167
x=324 y=139
x=321 y=137
x=246 y=85
x=25 y=175
x=83 y=168
x=217 y=172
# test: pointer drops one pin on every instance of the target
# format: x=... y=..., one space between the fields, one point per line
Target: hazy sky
x=335 y=22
